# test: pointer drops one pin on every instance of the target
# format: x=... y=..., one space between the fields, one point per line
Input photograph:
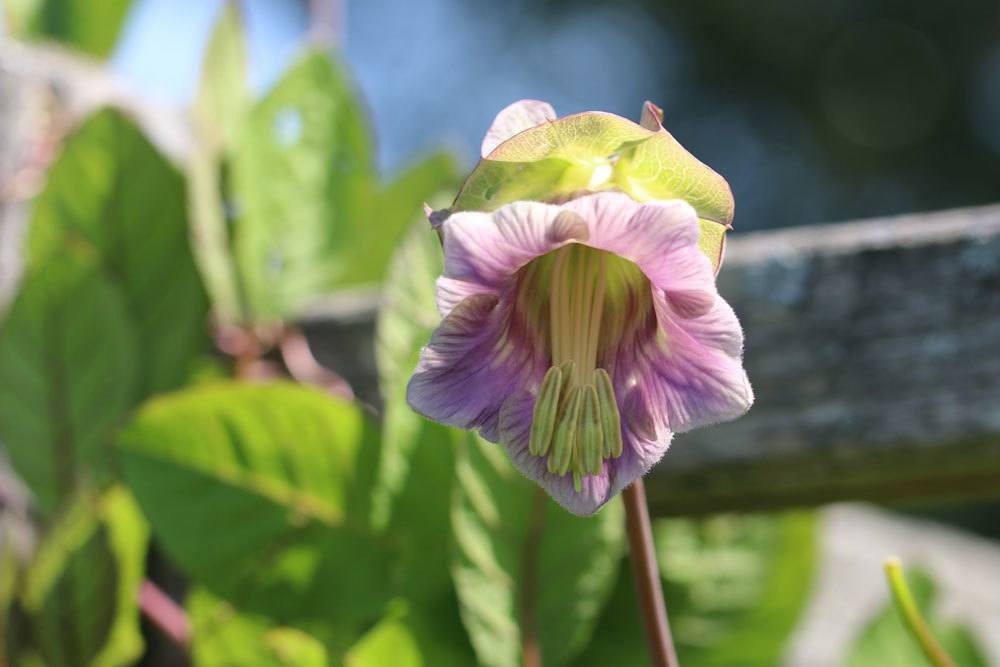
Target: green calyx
x=596 y=151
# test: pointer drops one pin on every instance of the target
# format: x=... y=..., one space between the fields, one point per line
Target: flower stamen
x=576 y=423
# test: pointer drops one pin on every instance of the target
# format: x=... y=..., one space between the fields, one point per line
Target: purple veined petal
x=471 y=364
x=671 y=345
x=640 y=453
x=690 y=374
x=514 y=119
x=451 y=291
x=488 y=248
x=661 y=238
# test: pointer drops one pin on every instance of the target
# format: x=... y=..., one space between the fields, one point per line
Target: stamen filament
x=576 y=423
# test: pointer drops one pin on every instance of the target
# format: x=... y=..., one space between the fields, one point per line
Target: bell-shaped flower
x=580 y=335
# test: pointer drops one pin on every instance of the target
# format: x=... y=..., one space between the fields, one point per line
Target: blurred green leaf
x=393 y=211
x=619 y=638
x=885 y=641
x=223 y=637
x=389 y=643
x=10 y=575
x=598 y=151
x=255 y=492
x=79 y=593
x=67 y=370
x=525 y=566
x=420 y=637
x=89 y=27
x=735 y=587
x=737 y=584
x=219 y=110
x=302 y=186
x=223 y=97
x=111 y=198
x=412 y=494
x=406 y=318
x=128 y=539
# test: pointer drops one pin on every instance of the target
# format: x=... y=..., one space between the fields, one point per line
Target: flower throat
x=576 y=424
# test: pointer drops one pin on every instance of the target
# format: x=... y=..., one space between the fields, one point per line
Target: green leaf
x=11 y=634
x=394 y=210
x=302 y=185
x=67 y=369
x=219 y=110
x=618 y=638
x=223 y=97
x=389 y=643
x=734 y=585
x=256 y=493
x=223 y=637
x=128 y=538
x=597 y=151
x=79 y=594
x=90 y=27
x=406 y=318
x=413 y=638
x=737 y=584
x=886 y=642
x=113 y=200
x=524 y=566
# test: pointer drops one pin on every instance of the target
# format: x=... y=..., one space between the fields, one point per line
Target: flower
x=580 y=336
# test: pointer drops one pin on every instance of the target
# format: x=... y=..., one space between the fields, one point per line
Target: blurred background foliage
x=306 y=531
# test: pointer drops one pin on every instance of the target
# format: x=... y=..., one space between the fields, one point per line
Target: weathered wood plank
x=874 y=350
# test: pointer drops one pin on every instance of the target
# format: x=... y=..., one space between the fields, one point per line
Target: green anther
x=543 y=421
x=610 y=417
x=565 y=438
x=576 y=482
x=590 y=438
x=567 y=376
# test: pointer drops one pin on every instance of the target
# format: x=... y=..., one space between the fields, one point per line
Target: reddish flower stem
x=647 y=577
x=166 y=615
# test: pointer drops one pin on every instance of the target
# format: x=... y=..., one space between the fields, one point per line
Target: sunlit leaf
x=412 y=638
x=79 y=593
x=406 y=318
x=128 y=538
x=89 y=27
x=886 y=642
x=393 y=210
x=302 y=184
x=219 y=109
x=596 y=151
x=735 y=587
x=412 y=494
x=525 y=569
x=112 y=199
x=257 y=493
x=737 y=584
x=223 y=637
x=67 y=375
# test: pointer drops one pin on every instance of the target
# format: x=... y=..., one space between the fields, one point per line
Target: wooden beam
x=874 y=351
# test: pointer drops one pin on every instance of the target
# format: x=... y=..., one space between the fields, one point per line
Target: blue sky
x=433 y=73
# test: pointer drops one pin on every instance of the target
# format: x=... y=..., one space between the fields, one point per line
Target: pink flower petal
x=514 y=119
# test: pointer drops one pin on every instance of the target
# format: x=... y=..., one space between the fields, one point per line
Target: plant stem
x=166 y=615
x=912 y=618
x=647 y=577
